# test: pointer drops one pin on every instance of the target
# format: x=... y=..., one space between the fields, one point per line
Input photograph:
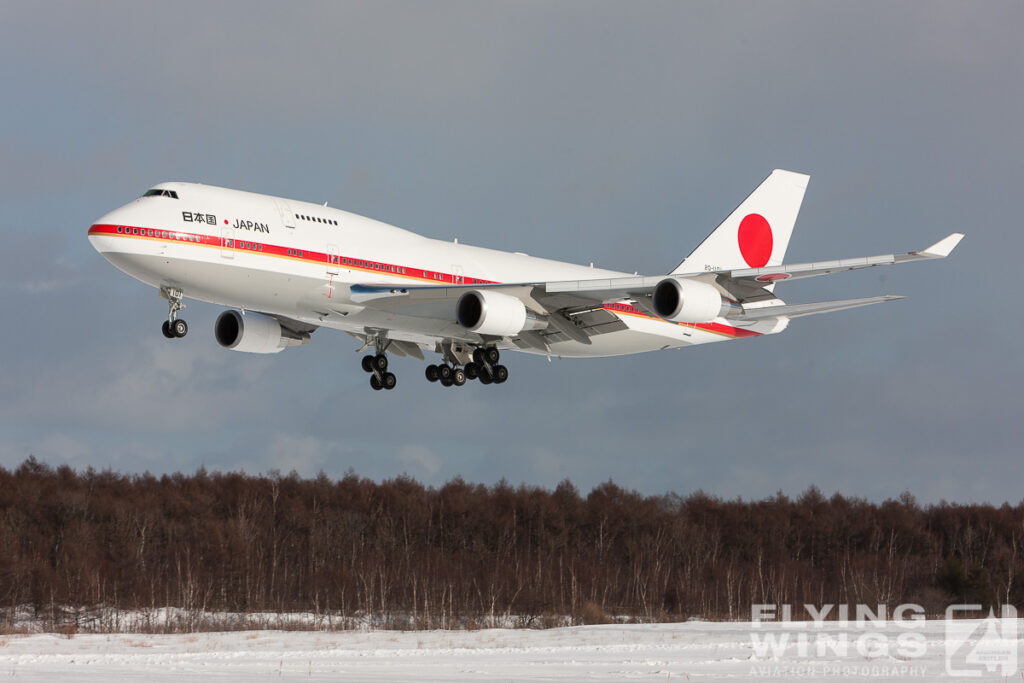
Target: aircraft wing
x=574 y=307
x=570 y=317
x=796 y=271
x=747 y=284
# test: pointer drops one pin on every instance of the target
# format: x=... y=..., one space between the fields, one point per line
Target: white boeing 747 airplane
x=287 y=268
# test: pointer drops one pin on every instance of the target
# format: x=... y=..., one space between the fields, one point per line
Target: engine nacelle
x=495 y=314
x=686 y=301
x=254 y=333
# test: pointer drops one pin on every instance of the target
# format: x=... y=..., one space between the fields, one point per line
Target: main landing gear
x=380 y=378
x=483 y=367
x=174 y=327
x=377 y=364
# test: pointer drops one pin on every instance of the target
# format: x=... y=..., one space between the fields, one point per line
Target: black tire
x=484 y=378
x=380 y=361
x=446 y=381
x=390 y=380
x=367 y=363
x=179 y=328
x=166 y=329
x=478 y=356
x=500 y=374
x=431 y=373
x=444 y=372
x=459 y=377
x=493 y=356
x=471 y=371
x=375 y=383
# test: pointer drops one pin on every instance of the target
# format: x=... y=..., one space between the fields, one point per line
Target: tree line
x=461 y=554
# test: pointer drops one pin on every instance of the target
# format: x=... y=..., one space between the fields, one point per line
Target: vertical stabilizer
x=757 y=233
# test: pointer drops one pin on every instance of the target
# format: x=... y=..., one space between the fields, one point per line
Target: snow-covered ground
x=655 y=652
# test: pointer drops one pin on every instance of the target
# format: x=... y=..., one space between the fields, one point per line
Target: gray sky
x=619 y=133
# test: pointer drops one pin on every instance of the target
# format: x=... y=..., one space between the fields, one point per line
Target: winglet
x=943 y=247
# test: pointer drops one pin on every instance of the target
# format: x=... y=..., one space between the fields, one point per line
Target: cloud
x=305 y=454
x=422 y=461
x=60 y=448
x=576 y=131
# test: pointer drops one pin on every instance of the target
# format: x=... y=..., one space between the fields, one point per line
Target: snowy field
x=657 y=652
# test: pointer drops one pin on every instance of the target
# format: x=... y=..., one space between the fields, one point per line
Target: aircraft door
x=333 y=259
x=227 y=242
x=287 y=217
x=457 y=275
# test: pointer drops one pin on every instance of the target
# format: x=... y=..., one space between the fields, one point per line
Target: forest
x=76 y=544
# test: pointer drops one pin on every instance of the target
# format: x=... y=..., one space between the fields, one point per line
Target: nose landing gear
x=174 y=327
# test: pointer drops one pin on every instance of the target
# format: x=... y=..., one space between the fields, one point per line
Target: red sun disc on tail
x=755 y=238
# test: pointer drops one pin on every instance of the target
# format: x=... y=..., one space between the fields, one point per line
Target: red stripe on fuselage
x=350 y=263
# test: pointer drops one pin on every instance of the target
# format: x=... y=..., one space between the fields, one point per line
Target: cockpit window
x=161 y=193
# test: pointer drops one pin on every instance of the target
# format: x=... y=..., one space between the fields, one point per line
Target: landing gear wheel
x=375 y=383
x=485 y=378
x=173 y=327
x=478 y=356
x=432 y=374
x=500 y=374
x=445 y=373
x=472 y=371
x=458 y=377
x=389 y=380
x=367 y=363
x=492 y=355
x=380 y=362
x=446 y=381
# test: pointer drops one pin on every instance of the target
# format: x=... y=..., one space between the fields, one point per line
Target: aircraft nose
x=104 y=228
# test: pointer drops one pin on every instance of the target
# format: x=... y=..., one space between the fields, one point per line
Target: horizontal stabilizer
x=799 y=310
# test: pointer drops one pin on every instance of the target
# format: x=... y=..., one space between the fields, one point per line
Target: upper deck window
x=155 y=192
x=316 y=219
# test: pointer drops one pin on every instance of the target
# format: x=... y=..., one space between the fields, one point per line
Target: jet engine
x=495 y=314
x=687 y=301
x=254 y=333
